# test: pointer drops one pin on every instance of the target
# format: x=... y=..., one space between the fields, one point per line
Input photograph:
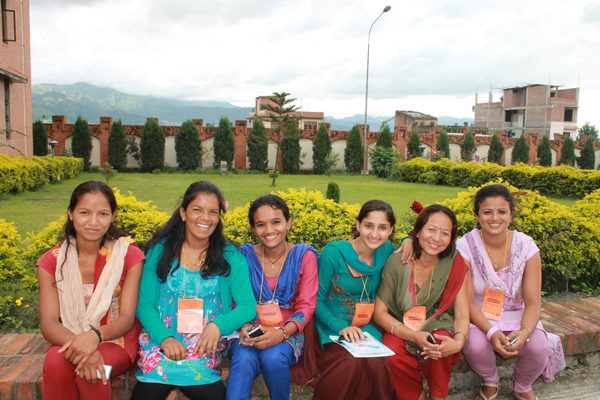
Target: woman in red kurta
x=88 y=296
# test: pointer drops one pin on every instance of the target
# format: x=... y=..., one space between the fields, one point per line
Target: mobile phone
x=513 y=340
x=107 y=371
x=431 y=339
x=255 y=331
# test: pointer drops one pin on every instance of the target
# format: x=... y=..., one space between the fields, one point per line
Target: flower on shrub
x=416 y=207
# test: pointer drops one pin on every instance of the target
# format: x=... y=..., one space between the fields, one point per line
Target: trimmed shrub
x=411 y=170
x=385 y=137
x=81 y=142
x=568 y=242
x=496 y=149
x=544 y=152
x=382 y=159
x=354 y=153
x=258 y=146
x=467 y=146
x=40 y=139
x=520 y=153
x=316 y=220
x=588 y=158
x=290 y=149
x=333 y=192
x=443 y=144
x=567 y=156
x=117 y=146
x=24 y=173
x=10 y=267
x=413 y=148
x=321 y=149
x=152 y=146
x=223 y=145
x=187 y=146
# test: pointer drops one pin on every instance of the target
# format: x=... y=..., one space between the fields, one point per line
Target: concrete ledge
x=576 y=321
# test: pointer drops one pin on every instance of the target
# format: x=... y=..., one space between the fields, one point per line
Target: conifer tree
x=567 y=156
x=544 y=152
x=223 y=144
x=321 y=149
x=258 y=146
x=117 y=146
x=40 y=139
x=520 y=152
x=496 y=150
x=81 y=142
x=467 y=146
x=354 y=153
x=281 y=113
x=413 y=147
x=187 y=146
x=152 y=146
x=385 y=137
x=290 y=149
x=588 y=158
x=443 y=144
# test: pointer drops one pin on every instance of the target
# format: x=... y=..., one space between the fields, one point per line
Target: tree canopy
x=187 y=146
x=223 y=144
x=321 y=149
x=354 y=153
x=40 y=139
x=280 y=114
x=520 y=152
x=152 y=146
x=81 y=142
x=117 y=146
x=258 y=146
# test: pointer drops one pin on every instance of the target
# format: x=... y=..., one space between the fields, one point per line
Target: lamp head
x=387 y=8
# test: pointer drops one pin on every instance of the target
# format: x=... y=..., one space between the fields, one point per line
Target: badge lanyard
x=190 y=309
x=416 y=316
x=269 y=313
x=364 y=311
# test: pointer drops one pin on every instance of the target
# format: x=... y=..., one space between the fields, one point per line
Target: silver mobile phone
x=107 y=371
x=513 y=340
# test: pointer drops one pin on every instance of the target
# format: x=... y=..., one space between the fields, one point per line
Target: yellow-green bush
x=10 y=267
x=139 y=219
x=23 y=173
x=316 y=220
x=559 y=181
x=569 y=242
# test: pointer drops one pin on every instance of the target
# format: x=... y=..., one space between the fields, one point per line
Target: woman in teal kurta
x=189 y=259
x=349 y=274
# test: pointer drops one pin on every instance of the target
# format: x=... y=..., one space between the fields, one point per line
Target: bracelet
x=284 y=331
x=491 y=332
x=461 y=333
x=394 y=327
x=97 y=332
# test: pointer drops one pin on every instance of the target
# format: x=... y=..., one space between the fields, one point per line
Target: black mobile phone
x=255 y=331
x=431 y=339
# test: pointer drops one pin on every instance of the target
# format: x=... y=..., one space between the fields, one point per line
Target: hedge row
x=562 y=181
x=23 y=173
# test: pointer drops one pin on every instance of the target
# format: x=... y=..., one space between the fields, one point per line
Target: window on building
x=508 y=115
x=9 y=31
x=568 y=114
x=310 y=125
x=6 y=82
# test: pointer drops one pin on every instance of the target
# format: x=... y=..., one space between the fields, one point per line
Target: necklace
x=273 y=263
x=495 y=263
x=194 y=264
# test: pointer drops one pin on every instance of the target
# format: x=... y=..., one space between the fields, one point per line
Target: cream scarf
x=73 y=312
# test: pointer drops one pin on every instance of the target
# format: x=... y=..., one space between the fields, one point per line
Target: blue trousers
x=247 y=362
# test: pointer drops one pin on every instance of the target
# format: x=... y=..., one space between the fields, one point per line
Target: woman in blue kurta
x=284 y=279
x=349 y=273
x=190 y=271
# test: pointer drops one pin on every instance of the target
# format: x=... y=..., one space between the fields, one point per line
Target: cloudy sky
x=428 y=55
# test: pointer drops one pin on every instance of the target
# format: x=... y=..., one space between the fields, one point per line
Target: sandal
x=519 y=397
x=492 y=397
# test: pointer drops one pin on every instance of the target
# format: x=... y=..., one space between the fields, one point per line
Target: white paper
x=367 y=347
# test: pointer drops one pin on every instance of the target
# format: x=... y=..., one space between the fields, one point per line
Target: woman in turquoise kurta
x=349 y=274
x=188 y=259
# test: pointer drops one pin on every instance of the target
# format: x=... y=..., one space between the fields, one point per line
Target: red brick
x=42 y=348
x=5 y=340
x=32 y=344
x=583 y=324
x=10 y=371
x=14 y=346
x=27 y=380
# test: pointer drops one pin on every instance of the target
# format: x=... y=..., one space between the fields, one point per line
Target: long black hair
x=173 y=232
x=423 y=218
x=68 y=230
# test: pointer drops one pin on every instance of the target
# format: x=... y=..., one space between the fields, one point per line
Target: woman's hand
x=522 y=337
x=270 y=338
x=420 y=339
x=406 y=248
x=89 y=370
x=80 y=347
x=173 y=349
x=245 y=340
x=209 y=338
x=352 y=333
x=446 y=346
x=499 y=343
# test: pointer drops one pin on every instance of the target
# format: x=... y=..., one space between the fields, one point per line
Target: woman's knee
x=243 y=355
x=538 y=346
x=277 y=356
x=56 y=365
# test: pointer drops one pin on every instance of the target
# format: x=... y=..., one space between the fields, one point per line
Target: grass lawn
x=32 y=211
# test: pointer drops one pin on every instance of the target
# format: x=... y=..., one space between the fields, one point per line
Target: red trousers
x=407 y=373
x=61 y=382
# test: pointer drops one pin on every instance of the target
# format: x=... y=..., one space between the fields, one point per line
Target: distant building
x=306 y=119
x=409 y=120
x=543 y=109
x=15 y=79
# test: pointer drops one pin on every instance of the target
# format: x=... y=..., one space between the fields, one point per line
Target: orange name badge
x=190 y=316
x=363 y=314
x=492 y=304
x=269 y=314
x=415 y=318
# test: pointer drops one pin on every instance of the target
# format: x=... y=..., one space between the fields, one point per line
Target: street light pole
x=366 y=152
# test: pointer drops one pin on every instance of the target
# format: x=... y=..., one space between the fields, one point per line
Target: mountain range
x=92 y=102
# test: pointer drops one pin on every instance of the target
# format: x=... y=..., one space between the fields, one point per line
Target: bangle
x=394 y=327
x=491 y=332
x=461 y=333
x=97 y=332
x=284 y=331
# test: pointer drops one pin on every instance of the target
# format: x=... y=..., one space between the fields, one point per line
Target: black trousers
x=160 y=391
